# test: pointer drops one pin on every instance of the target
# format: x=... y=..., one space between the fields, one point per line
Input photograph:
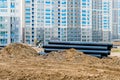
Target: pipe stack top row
x=90 y=48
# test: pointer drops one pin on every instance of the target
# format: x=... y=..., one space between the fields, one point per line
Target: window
x=3 y=4
x=12 y=5
x=27 y=1
x=47 y=2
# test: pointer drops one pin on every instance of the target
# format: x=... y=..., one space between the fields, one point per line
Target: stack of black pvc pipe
x=90 y=48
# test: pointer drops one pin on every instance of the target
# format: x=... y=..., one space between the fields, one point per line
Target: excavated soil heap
x=18 y=50
x=75 y=56
x=62 y=65
x=70 y=55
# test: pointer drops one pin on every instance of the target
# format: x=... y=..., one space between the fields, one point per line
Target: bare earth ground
x=67 y=65
x=40 y=69
x=115 y=52
x=38 y=49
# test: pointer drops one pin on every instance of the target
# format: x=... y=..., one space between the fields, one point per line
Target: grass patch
x=115 y=50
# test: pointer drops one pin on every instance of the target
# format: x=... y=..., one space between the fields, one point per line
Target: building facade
x=29 y=30
x=45 y=20
x=68 y=20
x=61 y=20
x=10 y=21
x=55 y=20
x=101 y=20
x=86 y=20
x=116 y=20
x=79 y=20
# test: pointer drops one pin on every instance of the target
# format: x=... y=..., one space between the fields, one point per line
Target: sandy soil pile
x=18 y=50
x=62 y=65
x=74 y=56
x=70 y=55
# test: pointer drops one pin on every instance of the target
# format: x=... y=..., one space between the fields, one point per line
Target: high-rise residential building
x=101 y=20
x=29 y=15
x=10 y=21
x=116 y=19
x=79 y=20
x=73 y=20
x=86 y=20
x=45 y=20
x=34 y=16
x=68 y=20
x=61 y=20
x=55 y=20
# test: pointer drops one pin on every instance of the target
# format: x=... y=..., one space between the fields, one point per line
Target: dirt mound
x=70 y=55
x=18 y=50
x=111 y=61
x=63 y=65
x=73 y=55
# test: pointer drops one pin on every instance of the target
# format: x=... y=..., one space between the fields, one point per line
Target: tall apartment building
x=101 y=20
x=116 y=19
x=45 y=20
x=55 y=20
x=61 y=20
x=79 y=20
x=65 y=23
x=68 y=20
x=86 y=20
x=29 y=15
x=10 y=21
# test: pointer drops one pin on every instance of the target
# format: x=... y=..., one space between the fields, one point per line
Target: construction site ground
x=64 y=65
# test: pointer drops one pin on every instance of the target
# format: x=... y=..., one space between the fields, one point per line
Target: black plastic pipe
x=81 y=43
x=76 y=47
